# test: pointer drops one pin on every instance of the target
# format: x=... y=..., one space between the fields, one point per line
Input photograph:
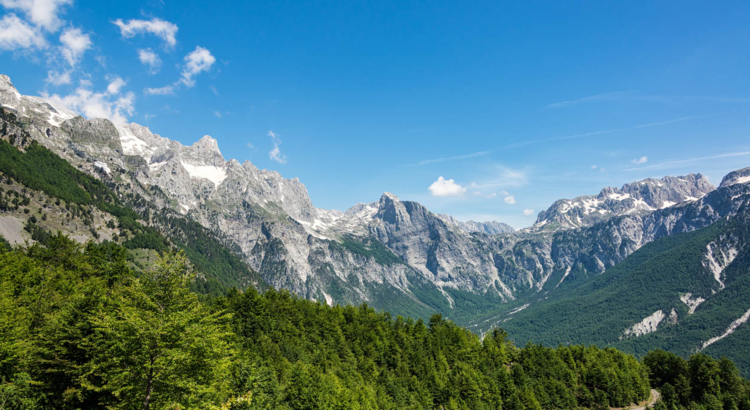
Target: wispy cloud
x=453 y=158
x=160 y=28
x=42 y=13
x=528 y=212
x=504 y=177
x=599 y=97
x=110 y=104
x=604 y=132
x=641 y=160
x=16 y=34
x=197 y=61
x=150 y=59
x=633 y=96
x=275 y=153
x=74 y=44
x=58 y=78
x=680 y=162
x=635 y=127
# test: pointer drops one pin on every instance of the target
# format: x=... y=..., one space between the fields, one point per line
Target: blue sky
x=486 y=110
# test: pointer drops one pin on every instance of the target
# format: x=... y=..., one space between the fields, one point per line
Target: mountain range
x=655 y=263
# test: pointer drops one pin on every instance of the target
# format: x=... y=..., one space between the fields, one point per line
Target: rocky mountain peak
x=207 y=143
x=647 y=195
x=391 y=209
x=9 y=96
x=741 y=176
x=388 y=196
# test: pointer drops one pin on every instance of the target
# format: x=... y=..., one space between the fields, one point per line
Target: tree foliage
x=79 y=329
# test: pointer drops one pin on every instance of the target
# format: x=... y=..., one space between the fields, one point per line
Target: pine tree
x=157 y=346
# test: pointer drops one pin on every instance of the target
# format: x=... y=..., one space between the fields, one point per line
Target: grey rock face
x=336 y=256
x=741 y=176
x=489 y=227
x=643 y=196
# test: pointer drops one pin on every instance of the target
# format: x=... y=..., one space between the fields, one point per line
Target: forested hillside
x=108 y=300
x=662 y=296
x=70 y=200
x=80 y=329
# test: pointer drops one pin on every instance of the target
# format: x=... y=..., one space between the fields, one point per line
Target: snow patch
x=732 y=327
x=618 y=197
x=645 y=326
x=132 y=145
x=57 y=118
x=692 y=303
x=212 y=173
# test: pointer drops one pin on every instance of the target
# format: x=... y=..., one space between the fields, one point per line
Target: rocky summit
x=381 y=250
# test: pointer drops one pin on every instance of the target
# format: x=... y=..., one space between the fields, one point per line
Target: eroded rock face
x=345 y=256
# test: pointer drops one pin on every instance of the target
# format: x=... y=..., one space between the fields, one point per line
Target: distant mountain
x=296 y=246
x=687 y=293
x=642 y=196
x=392 y=254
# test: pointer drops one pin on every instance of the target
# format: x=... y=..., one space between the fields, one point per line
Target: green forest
x=79 y=329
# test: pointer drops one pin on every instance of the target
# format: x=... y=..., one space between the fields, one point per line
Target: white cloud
x=114 y=106
x=250 y=145
x=528 y=212
x=492 y=195
x=446 y=187
x=150 y=59
x=166 y=90
x=641 y=160
x=115 y=85
x=593 y=167
x=58 y=78
x=275 y=153
x=510 y=200
x=197 y=61
x=217 y=114
x=160 y=28
x=43 y=13
x=148 y=116
x=214 y=90
x=17 y=34
x=74 y=44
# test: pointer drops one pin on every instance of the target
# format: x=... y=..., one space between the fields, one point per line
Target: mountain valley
x=594 y=269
